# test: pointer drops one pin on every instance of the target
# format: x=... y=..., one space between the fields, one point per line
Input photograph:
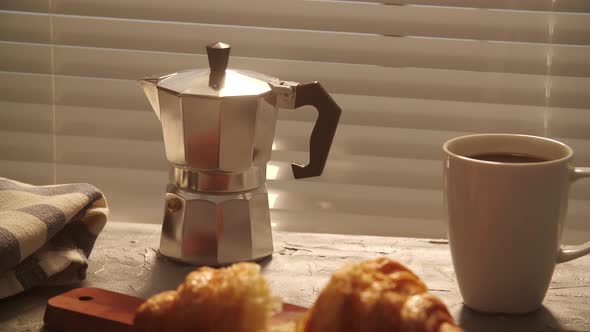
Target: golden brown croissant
x=379 y=295
x=232 y=299
x=375 y=296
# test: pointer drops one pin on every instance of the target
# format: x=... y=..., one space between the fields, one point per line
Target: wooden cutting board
x=100 y=310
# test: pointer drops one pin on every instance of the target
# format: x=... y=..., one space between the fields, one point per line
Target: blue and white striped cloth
x=47 y=233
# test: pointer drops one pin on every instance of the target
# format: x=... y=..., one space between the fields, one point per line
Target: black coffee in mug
x=515 y=158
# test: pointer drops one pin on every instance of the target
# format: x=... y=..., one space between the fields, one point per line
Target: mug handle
x=565 y=255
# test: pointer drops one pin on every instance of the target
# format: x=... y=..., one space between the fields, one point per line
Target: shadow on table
x=166 y=274
x=29 y=307
x=539 y=321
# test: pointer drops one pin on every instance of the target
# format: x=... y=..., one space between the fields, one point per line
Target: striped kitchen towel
x=47 y=233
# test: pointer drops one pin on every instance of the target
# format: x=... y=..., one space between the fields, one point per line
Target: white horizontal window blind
x=409 y=75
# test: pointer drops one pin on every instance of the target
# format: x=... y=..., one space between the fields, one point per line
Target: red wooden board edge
x=98 y=310
x=92 y=310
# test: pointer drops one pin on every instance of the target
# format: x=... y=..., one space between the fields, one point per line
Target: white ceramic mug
x=505 y=219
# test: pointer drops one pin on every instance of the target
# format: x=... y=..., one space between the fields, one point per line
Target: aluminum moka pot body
x=218 y=126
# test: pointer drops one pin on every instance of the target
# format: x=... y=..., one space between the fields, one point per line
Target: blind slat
x=26 y=5
x=322 y=46
x=375 y=201
x=298 y=221
x=291 y=135
x=344 y=79
x=21 y=26
x=354 y=49
x=177 y=10
x=26 y=117
x=433 y=114
x=24 y=87
x=375 y=81
x=342 y=168
x=346 y=168
x=32 y=147
x=433 y=21
x=542 y=59
x=358 y=110
x=144 y=204
x=571 y=123
x=27 y=58
x=40 y=173
x=582 y=6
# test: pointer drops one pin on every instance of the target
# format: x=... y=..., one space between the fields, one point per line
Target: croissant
x=231 y=299
x=377 y=296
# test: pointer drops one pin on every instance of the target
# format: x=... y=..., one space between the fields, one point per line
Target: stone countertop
x=125 y=260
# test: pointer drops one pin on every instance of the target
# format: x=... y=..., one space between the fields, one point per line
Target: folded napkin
x=47 y=233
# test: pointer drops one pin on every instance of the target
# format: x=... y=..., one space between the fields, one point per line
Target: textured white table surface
x=125 y=259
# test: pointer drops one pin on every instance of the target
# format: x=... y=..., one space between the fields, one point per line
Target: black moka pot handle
x=315 y=95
